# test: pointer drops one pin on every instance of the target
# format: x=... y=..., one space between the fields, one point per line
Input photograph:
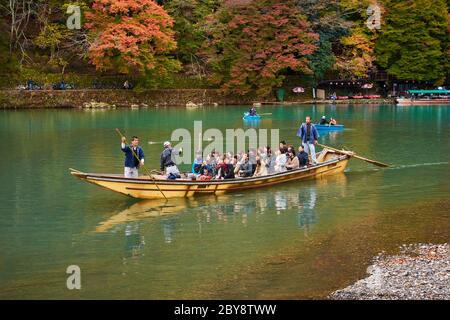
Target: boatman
x=131 y=162
x=168 y=166
x=309 y=135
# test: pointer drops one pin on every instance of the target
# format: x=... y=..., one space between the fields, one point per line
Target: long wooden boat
x=425 y=98
x=145 y=187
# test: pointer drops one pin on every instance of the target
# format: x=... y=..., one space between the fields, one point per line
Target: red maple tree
x=130 y=36
x=249 y=46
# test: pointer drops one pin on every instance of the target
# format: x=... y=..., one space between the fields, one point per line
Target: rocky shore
x=418 y=272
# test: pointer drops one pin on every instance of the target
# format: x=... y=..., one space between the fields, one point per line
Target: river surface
x=294 y=241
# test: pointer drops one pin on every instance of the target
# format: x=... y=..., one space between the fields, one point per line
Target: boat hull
x=248 y=117
x=325 y=127
x=146 y=188
x=425 y=102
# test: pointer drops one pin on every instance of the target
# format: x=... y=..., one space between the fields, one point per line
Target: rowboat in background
x=328 y=127
x=248 y=117
x=157 y=186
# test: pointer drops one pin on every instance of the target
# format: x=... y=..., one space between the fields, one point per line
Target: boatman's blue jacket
x=302 y=133
x=130 y=159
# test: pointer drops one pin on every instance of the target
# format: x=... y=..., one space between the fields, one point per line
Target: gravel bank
x=419 y=272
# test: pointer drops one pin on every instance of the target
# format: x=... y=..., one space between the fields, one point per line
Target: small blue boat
x=248 y=117
x=328 y=127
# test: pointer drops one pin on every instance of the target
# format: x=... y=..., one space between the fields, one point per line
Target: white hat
x=323 y=117
x=166 y=144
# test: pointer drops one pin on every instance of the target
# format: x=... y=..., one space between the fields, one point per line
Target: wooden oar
x=377 y=163
x=265 y=114
x=149 y=174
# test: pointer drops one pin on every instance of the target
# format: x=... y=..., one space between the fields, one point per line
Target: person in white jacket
x=280 y=161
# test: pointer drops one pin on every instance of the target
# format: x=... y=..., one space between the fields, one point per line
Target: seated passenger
x=292 y=162
x=246 y=168
x=252 y=111
x=229 y=174
x=261 y=169
x=302 y=156
x=323 y=121
x=221 y=167
x=283 y=146
x=197 y=165
x=205 y=175
x=280 y=161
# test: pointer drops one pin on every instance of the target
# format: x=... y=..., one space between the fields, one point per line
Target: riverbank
x=107 y=98
x=418 y=272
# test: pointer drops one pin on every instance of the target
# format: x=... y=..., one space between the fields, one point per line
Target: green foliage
x=188 y=17
x=413 y=42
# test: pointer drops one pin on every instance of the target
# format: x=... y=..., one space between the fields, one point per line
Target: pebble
x=420 y=271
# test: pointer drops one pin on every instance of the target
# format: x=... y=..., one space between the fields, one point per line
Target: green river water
x=297 y=240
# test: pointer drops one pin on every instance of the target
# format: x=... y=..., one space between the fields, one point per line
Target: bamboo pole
x=352 y=154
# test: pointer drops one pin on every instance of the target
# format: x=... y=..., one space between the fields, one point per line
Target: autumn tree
x=355 y=51
x=251 y=45
x=326 y=19
x=131 y=36
x=413 y=41
x=188 y=16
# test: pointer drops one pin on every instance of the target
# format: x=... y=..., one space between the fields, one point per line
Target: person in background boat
x=309 y=135
x=252 y=112
x=246 y=168
x=302 y=156
x=292 y=162
x=333 y=122
x=131 y=162
x=323 y=121
x=280 y=161
x=205 y=175
x=167 y=163
x=261 y=169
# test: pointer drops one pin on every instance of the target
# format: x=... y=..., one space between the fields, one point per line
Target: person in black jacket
x=302 y=156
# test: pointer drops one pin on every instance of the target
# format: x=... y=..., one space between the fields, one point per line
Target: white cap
x=166 y=144
x=323 y=117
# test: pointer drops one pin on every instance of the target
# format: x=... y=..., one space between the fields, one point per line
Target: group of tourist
x=253 y=163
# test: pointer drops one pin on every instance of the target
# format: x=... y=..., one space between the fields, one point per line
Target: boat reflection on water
x=306 y=216
x=143 y=210
x=245 y=208
x=134 y=242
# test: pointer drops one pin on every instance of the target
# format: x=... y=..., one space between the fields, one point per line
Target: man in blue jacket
x=131 y=162
x=309 y=135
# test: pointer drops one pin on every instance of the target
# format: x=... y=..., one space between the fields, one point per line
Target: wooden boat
x=328 y=127
x=425 y=98
x=248 y=117
x=144 y=187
